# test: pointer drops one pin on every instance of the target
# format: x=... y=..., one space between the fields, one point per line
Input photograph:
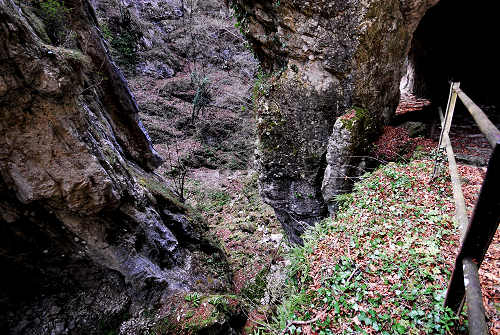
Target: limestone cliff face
x=154 y=37
x=142 y=33
x=88 y=233
x=323 y=59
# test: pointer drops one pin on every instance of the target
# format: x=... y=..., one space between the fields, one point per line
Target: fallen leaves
x=409 y=103
x=395 y=144
x=384 y=263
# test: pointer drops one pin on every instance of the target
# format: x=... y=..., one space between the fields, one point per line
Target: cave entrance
x=453 y=42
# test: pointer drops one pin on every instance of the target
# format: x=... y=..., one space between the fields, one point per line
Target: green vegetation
x=200 y=316
x=159 y=188
x=208 y=201
x=219 y=199
x=202 y=97
x=54 y=15
x=211 y=201
x=261 y=86
x=362 y=126
x=220 y=302
x=264 y=82
x=123 y=38
x=193 y=298
x=106 y=32
x=254 y=291
x=241 y=17
x=381 y=265
x=125 y=43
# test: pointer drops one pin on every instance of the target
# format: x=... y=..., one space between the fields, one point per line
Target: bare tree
x=176 y=172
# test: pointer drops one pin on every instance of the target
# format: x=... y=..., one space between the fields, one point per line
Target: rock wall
x=322 y=60
x=139 y=34
x=89 y=235
x=155 y=37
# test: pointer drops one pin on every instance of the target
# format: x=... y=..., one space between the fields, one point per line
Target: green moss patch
x=195 y=313
x=362 y=127
x=255 y=289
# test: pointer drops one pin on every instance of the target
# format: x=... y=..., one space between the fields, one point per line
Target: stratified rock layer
x=324 y=58
x=89 y=236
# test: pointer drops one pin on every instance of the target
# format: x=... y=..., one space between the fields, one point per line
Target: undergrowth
x=54 y=14
x=381 y=266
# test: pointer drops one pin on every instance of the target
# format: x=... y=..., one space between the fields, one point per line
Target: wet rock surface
x=322 y=59
x=90 y=236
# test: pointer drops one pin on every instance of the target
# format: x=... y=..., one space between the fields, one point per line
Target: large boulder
x=321 y=60
x=89 y=235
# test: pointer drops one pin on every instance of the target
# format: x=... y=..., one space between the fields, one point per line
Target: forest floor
x=382 y=265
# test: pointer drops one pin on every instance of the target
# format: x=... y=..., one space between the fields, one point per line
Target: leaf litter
x=382 y=265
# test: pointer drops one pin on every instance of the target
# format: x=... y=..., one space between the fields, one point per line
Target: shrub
x=203 y=97
x=126 y=45
x=54 y=15
x=123 y=35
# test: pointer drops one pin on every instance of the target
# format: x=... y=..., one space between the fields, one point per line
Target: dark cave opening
x=454 y=42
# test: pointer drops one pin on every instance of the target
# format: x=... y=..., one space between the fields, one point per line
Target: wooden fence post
x=480 y=232
x=475 y=308
x=449 y=112
x=446 y=124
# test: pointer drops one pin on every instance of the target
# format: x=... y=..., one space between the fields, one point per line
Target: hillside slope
x=382 y=265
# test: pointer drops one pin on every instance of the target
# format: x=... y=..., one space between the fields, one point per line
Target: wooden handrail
x=485 y=125
x=476 y=234
x=475 y=308
x=460 y=209
x=480 y=231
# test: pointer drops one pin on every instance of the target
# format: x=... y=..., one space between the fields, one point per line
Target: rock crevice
x=324 y=59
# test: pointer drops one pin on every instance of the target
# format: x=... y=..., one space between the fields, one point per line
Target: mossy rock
x=255 y=290
x=362 y=126
x=210 y=315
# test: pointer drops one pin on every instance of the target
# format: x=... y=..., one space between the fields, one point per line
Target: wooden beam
x=485 y=125
x=480 y=232
x=450 y=110
x=474 y=299
x=458 y=196
x=460 y=208
x=446 y=115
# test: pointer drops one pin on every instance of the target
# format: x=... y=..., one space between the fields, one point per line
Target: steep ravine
x=89 y=235
x=92 y=241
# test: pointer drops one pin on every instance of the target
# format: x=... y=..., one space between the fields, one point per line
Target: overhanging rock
x=322 y=60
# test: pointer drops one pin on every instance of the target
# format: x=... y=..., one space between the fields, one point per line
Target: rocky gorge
x=90 y=235
x=334 y=70
x=136 y=136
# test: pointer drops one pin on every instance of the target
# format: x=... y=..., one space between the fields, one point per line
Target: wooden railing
x=476 y=234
